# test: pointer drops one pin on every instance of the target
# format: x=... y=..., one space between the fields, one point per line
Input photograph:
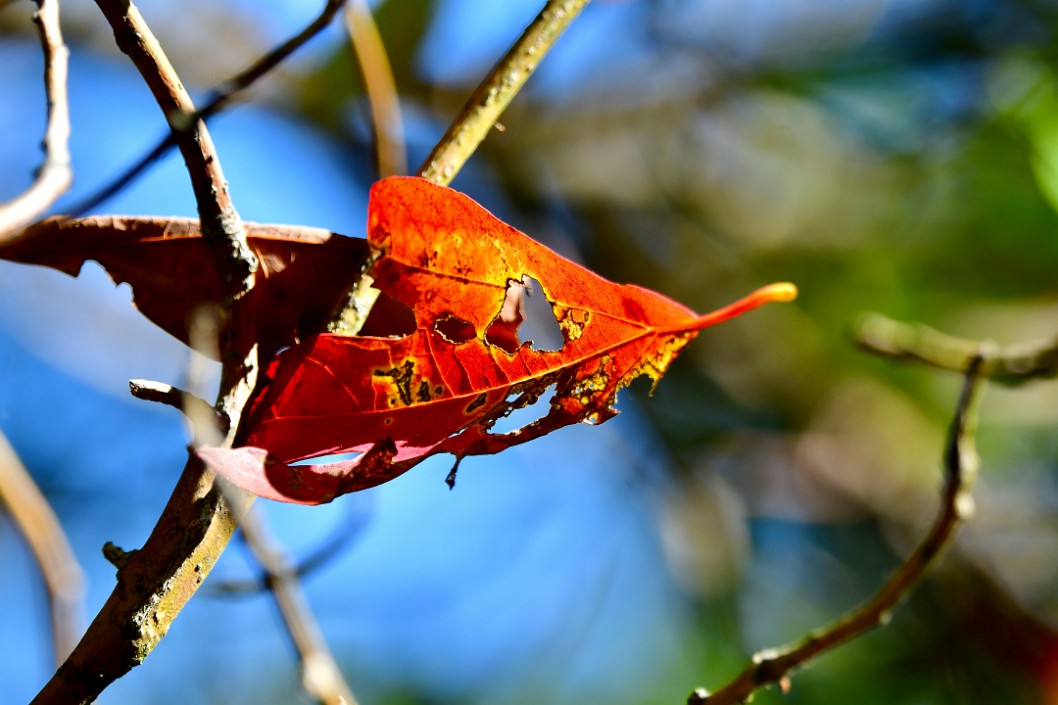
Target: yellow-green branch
x=497 y=91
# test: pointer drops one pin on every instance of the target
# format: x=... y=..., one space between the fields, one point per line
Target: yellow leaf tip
x=780 y=292
x=773 y=293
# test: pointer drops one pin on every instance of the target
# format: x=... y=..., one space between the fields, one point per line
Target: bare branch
x=162 y=393
x=43 y=533
x=156 y=581
x=884 y=336
x=380 y=87
x=772 y=666
x=495 y=93
x=152 y=588
x=55 y=174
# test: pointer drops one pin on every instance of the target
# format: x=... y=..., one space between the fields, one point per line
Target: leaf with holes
x=442 y=387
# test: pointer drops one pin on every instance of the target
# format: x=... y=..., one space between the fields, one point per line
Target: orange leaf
x=302 y=275
x=441 y=388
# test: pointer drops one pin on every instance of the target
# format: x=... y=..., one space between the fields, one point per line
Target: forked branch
x=155 y=582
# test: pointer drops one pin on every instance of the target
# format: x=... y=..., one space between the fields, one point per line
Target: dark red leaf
x=303 y=272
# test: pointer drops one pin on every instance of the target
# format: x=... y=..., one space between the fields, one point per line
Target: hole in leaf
x=327 y=459
x=454 y=329
x=541 y=326
x=389 y=318
x=525 y=313
x=518 y=417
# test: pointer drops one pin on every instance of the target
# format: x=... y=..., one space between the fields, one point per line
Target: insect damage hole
x=525 y=408
x=527 y=313
x=453 y=328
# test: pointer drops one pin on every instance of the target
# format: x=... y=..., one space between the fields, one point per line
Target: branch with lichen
x=774 y=666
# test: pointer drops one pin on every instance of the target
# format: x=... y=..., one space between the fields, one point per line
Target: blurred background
x=895 y=156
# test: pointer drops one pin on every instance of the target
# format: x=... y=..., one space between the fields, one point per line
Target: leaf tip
x=780 y=292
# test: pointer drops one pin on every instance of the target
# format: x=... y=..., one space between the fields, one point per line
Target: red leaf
x=302 y=275
x=401 y=400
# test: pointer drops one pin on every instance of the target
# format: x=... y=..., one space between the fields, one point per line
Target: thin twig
x=225 y=92
x=905 y=341
x=380 y=87
x=124 y=179
x=320 y=675
x=772 y=666
x=46 y=540
x=219 y=98
x=316 y=558
x=495 y=93
x=55 y=174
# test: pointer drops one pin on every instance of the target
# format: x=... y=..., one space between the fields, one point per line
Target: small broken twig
x=199 y=412
x=772 y=666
